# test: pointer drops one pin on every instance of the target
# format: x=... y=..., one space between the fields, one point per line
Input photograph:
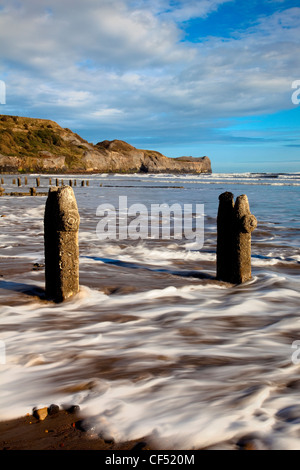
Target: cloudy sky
x=184 y=77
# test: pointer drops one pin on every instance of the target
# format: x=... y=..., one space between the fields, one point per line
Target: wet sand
x=62 y=431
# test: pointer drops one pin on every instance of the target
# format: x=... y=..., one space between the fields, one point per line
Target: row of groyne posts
x=235 y=224
x=33 y=190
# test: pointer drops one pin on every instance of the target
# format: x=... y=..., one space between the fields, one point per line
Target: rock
x=53 y=410
x=40 y=413
x=73 y=409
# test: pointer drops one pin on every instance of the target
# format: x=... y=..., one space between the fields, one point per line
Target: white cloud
x=123 y=63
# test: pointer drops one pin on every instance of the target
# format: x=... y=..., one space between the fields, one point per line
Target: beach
x=153 y=349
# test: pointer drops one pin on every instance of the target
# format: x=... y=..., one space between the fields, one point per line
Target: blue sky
x=184 y=77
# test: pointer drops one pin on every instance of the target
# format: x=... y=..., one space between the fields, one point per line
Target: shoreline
x=62 y=431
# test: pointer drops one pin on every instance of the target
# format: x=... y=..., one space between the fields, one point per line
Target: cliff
x=42 y=146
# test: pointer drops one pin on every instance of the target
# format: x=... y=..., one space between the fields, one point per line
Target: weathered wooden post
x=2 y=180
x=61 y=224
x=32 y=191
x=25 y=180
x=19 y=182
x=244 y=224
x=37 y=182
x=82 y=183
x=50 y=182
x=14 y=181
x=56 y=182
x=234 y=224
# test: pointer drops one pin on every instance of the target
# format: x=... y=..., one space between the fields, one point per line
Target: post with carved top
x=235 y=223
x=61 y=225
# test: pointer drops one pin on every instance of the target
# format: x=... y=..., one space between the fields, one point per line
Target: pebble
x=53 y=410
x=41 y=413
x=73 y=409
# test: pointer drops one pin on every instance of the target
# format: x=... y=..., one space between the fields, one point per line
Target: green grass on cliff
x=26 y=137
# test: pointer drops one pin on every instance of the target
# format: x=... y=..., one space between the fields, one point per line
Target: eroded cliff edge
x=30 y=145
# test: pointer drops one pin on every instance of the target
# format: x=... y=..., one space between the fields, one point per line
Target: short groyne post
x=19 y=182
x=37 y=182
x=32 y=191
x=61 y=224
x=235 y=224
x=56 y=182
x=82 y=183
x=25 y=180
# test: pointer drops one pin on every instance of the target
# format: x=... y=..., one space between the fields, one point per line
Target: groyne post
x=61 y=225
x=235 y=223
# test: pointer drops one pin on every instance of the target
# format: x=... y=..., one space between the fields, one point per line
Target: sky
x=184 y=77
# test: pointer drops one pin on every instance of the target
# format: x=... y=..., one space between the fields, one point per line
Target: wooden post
x=235 y=224
x=61 y=224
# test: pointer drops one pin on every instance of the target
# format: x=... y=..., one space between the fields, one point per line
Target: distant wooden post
x=37 y=182
x=14 y=181
x=61 y=224
x=50 y=182
x=2 y=180
x=32 y=191
x=19 y=182
x=25 y=180
x=82 y=183
x=235 y=224
x=56 y=182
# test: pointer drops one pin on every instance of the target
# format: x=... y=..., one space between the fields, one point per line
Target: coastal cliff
x=30 y=145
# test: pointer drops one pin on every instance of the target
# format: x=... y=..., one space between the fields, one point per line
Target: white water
x=146 y=348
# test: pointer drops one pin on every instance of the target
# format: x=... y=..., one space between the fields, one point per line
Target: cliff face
x=39 y=145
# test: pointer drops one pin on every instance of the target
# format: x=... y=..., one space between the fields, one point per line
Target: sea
x=153 y=345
